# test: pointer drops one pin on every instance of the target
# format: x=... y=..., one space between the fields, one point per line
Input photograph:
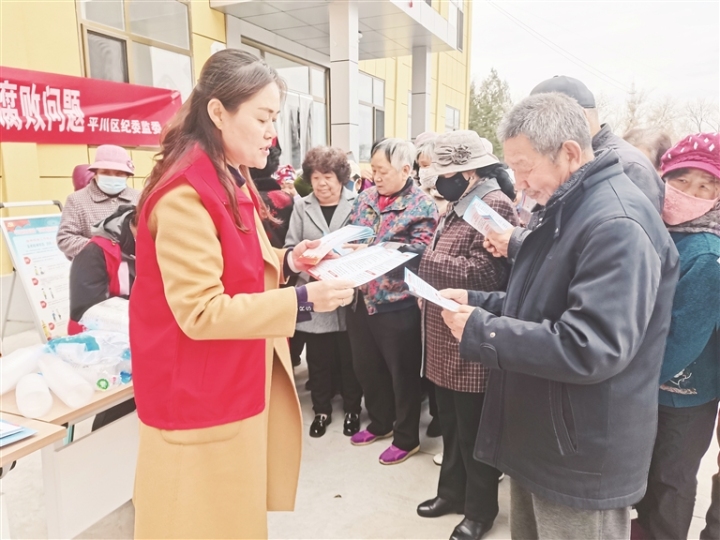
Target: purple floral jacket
x=410 y=219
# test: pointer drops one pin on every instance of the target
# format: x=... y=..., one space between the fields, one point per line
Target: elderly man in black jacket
x=635 y=164
x=576 y=342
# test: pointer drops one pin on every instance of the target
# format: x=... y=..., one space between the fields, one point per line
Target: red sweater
x=181 y=383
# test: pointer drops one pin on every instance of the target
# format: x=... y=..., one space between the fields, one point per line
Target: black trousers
x=463 y=479
x=297 y=344
x=387 y=358
x=683 y=437
x=326 y=355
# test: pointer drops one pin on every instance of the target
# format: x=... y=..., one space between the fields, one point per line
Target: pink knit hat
x=113 y=158
x=699 y=151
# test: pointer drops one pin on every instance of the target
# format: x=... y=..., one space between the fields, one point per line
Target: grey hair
x=398 y=152
x=426 y=148
x=548 y=120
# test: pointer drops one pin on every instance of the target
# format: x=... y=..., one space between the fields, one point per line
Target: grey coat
x=308 y=223
x=576 y=344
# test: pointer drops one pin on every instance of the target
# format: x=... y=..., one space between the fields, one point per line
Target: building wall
x=45 y=36
x=450 y=81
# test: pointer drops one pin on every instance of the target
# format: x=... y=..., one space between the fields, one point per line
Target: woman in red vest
x=220 y=423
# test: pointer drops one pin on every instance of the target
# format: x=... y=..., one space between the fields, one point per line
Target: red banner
x=48 y=108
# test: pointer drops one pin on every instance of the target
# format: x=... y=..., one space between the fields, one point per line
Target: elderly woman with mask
x=690 y=373
x=456 y=259
x=384 y=321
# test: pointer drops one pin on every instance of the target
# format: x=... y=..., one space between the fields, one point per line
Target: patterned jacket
x=410 y=219
x=85 y=208
x=457 y=260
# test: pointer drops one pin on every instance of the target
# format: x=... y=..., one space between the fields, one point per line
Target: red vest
x=113 y=258
x=181 y=383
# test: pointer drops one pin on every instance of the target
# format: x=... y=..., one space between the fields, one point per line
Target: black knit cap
x=570 y=87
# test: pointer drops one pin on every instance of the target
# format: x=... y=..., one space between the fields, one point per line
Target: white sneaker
x=437 y=458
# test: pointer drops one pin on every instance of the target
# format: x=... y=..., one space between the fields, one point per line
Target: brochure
x=6 y=428
x=422 y=289
x=335 y=241
x=484 y=219
x=362 y=266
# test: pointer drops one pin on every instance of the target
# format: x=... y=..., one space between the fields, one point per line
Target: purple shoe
x=361 y=438
x=393 y=455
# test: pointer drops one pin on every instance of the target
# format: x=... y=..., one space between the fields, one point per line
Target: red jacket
x=181 y=383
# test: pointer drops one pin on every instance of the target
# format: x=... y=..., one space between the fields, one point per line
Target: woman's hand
x=298 y=264
x=330 y=294
x=459 y=295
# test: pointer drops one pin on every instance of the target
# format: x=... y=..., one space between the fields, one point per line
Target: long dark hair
x=233 y=77
x=498 y=171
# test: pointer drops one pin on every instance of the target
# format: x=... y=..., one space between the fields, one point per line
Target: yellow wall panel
x=206 y=21
x=12 y=35
x=201 y=52
x=143 y=160
x=51 y=37
x=59 y=160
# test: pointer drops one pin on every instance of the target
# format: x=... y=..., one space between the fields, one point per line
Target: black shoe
x=471 y=530
x=317 y=429
x=433 y=429
x=438 y=507
x=351 y=425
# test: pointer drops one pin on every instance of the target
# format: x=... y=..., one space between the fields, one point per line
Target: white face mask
x=111 y=185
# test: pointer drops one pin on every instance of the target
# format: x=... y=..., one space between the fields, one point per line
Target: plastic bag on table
x=102 y=358
x=111 y=315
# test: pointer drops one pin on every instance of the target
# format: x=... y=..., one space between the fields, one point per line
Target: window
x=452 y=118
x=459 y=21
x=371 y=95
x=138 y=41
x=302 y=123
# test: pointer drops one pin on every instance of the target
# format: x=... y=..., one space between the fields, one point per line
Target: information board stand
x=42 y=268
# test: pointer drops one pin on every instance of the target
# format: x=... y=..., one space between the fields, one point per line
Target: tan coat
x=219 y=482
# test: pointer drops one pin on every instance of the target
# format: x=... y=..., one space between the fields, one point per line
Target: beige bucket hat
x=458 y=151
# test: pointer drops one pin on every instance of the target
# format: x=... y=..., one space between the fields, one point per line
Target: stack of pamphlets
x=362 y=266
x=334 y=241
x=485 y=219
x=10 y=433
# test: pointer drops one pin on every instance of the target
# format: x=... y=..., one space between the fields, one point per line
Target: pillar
x=344 y=113
x=421 y=79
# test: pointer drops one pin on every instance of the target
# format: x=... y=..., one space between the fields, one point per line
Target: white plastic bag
x=33 y=396
x=66 y=383
x=111 y=315
x=18 y=364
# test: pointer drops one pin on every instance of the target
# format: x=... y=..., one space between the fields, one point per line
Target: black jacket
x=576 y=344
x=89 y=280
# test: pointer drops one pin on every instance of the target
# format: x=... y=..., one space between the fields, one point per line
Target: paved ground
x=344 y=492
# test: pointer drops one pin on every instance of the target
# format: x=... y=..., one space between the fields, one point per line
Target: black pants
x=463 y=479
x=113 y=413
x=327 y=354
x=387 y=358
x=428 y=387
x=683 y=437
x=297 y=344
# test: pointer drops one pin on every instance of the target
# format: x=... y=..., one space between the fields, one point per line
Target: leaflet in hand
x=422 y=289
x=484 y=219
x=329 y=242
x=361 y=266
